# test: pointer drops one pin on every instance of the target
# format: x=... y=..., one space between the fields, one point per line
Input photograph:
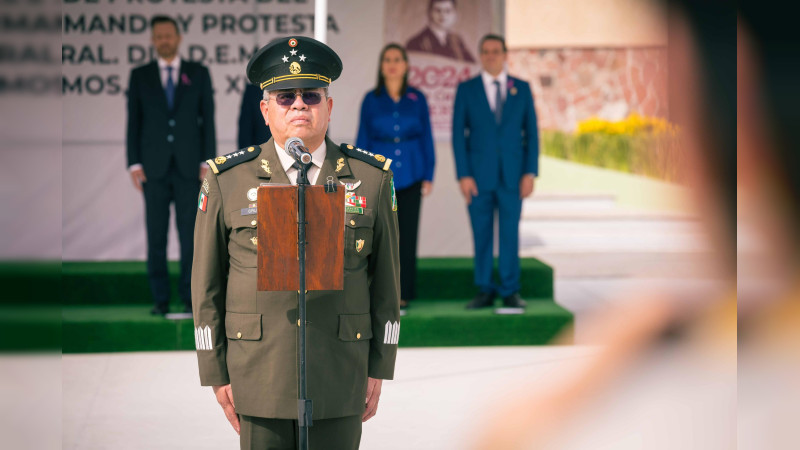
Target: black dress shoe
x=159 y=310
x=513 y=301
x=482 y=300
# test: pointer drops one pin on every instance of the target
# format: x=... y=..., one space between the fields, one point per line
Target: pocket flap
x=242 y=326
x=355 y=327
x=240 y=221
x=360 y=220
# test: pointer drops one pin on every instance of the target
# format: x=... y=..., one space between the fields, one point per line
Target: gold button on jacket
x=254 y=334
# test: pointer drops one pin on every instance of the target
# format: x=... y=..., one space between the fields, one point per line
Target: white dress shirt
x=317 y=158
x=491 y=90
x=162 y=71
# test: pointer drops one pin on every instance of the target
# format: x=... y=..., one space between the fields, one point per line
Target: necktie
x=170 y=89
x=498 y=102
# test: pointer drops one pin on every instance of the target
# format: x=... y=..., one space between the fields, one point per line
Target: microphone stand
x=304 y=406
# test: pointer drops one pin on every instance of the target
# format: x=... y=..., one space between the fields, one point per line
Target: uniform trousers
x=259 y=433
x=408 y=205
x=481 y=213
x=158 y=194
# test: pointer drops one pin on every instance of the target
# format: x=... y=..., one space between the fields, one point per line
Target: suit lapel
x=483 y=95
x=511 y=99
x=334 y=158
x=268 y=160
x=154 y=80
x=185 y=73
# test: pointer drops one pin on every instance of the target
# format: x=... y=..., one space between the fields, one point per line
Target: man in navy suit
x=496 y=146
x=170 y=135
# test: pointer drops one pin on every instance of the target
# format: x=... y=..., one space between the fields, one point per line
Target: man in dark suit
x=253 y=130
x=496 y=146
x=437 y=37
x=170 y=135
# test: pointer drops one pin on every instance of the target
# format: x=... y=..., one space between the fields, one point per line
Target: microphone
x=297 y=150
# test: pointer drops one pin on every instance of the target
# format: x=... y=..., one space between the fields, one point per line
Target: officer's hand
x=373 y=394
x=427 y=188
x=526 y=185
x=225 y=399
x=468 y=188
x=203 y=171
x=137 y=175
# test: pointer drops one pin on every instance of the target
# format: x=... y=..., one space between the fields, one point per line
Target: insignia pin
x=339 y=164
x=252 y=194
x=265 y=166
x=359 y=245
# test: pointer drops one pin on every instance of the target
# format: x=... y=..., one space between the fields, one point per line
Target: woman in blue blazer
x=395 y=122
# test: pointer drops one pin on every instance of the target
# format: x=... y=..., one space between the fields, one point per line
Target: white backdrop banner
x=102 y=214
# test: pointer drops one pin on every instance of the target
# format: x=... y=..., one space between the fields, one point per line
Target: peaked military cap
x=294 y=62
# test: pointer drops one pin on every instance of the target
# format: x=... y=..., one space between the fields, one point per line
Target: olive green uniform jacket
x=249 y=338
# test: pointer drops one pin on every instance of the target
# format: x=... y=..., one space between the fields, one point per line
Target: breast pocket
x=358 y=238
x=243 y=242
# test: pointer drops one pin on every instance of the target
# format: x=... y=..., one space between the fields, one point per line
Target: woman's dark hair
x=381 y=81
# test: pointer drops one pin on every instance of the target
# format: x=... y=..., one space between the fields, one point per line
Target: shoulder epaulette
x=225 y=162
x=370 y=158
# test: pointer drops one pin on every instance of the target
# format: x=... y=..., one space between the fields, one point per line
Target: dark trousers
x=481 y=213
x=408 y=205
x=341 y=433
x=158 y=194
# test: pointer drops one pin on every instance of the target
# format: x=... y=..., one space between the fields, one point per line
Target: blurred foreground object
x=665 y=375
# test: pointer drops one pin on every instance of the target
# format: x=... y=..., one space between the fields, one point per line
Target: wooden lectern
x=300 y=254
x=278 y=259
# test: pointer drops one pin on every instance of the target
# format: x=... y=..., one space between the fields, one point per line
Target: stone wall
x=572 y=84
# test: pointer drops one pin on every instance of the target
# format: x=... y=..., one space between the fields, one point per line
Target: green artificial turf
x=430 y=323
x=30 y=282
x=109 y=283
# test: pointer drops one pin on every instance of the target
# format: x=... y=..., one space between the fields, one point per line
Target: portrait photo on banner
x=441 y=37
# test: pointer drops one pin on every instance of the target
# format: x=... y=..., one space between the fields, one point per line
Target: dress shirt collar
x=488 y=80
x=441 y=34
x=162 y=69
x=317 y=156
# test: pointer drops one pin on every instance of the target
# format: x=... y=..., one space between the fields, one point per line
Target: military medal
x=265 y=166
x=359 y=245
x=351 y=186
x=252 y=194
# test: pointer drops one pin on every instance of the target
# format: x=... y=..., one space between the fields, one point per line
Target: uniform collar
x=317 y=156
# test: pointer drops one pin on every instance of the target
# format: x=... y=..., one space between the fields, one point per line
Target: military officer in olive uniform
x=246 y=340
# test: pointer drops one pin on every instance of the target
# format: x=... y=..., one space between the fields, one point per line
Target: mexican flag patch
x=202 y=202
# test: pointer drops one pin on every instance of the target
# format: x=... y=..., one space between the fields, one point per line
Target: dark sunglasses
x=309 y=98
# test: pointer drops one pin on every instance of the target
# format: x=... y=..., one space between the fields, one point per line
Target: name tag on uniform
x=249 y=211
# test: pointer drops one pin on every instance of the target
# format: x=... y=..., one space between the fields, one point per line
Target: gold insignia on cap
x=380 y=158
x=339 y=164
x=220 y=159
x=294 y=68
x=265 y=166
x=250 y=149
x=359 y=245
x=292 y=42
